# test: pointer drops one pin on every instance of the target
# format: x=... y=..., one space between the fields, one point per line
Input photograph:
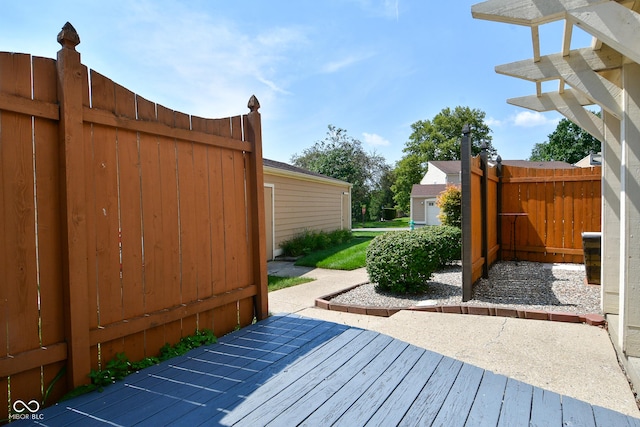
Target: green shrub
x=339 y=237
x=389 y=214
x=447 y=241
x=403 y=262
x=450 y=204
x=311 y=240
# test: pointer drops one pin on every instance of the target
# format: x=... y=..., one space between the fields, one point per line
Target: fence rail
x=126 y=225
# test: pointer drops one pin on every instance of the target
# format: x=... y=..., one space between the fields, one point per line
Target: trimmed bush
x=403 y=261
x=311 y=240
x=447 y=241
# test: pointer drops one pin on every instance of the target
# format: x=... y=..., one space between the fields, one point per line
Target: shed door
x=432 y=213
x=345 y=204
x=268 y=219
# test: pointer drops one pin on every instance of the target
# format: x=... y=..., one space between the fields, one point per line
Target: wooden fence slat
x=130 y=222
x=170 y=291
x=188 y=229
x=218 y=249
x=224 y=318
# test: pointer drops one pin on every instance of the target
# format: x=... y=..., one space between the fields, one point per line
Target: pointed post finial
x=465 y=129
x=68 y=37
x=499 y=159
x=253 y=104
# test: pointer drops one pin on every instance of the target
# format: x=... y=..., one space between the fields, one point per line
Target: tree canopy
x=568 y=143
x=438 y=139
x=342 y=157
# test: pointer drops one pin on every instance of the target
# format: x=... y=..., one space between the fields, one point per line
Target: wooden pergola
x=606 y=74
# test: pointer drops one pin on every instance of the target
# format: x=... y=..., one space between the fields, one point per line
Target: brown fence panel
x=32 y=348
x=125 y=225
x=477 y=216
x=18 y=222
x=555 y=207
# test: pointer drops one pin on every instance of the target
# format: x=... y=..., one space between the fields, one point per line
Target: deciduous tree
x=438 y=139
x=568 y=143
x=343 y=157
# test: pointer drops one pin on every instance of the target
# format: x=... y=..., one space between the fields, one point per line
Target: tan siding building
x=297 y=200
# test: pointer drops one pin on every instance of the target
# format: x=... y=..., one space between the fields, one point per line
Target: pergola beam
x=612 y=23
x=527 y=12
x=570 y=104
x=576 y=69
x=551 y=67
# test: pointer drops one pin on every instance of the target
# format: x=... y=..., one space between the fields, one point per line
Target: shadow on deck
x=290 y=370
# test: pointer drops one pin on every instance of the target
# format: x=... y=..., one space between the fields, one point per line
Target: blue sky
x=372 y=67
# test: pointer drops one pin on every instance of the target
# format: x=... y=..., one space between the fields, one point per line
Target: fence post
x=467 y=261
x=499 y=208
x=73 y=205
x=484 y=183
x=253 y=134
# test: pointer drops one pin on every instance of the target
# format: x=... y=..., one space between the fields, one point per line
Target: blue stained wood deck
x=289 y=370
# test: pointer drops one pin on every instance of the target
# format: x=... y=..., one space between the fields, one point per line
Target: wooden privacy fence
x=557 y=206
x=480 y=231
x=125 y=225
x=528 y=214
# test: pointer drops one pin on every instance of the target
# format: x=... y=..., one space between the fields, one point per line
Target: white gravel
x=520 y=285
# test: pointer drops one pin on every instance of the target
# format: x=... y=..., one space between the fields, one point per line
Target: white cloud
x=530 y=119
x=205 y=63
x=385 y=8
x=334 y=66
x=494 y=122
x=375 y=140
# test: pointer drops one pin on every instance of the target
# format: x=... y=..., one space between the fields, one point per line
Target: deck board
x=485 y=410
x=456 y=407
x=516 y=404
x=546 y=409
x=290 y=370
x=576 y=413
x=430 y=399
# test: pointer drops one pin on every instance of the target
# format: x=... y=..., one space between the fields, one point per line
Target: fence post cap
x=68 y=37
x=253 y=104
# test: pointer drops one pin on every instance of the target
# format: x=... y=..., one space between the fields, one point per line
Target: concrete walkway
x=576 y=360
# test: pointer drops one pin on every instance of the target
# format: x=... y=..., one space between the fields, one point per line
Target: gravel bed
x=520 y=285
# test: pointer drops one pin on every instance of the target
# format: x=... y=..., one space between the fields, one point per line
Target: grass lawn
x=396 y=223
x=347 y=256
x=277 y=282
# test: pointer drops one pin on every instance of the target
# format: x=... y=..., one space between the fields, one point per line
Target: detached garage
x=297 y=200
